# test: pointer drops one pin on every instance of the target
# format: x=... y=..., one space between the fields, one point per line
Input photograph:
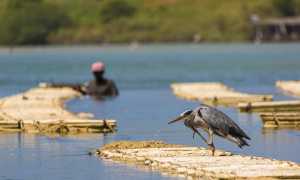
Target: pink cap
x=97 y=67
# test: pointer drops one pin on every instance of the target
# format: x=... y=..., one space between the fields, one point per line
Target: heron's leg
x=210 y=142
x=194 y=135
x=196 y=131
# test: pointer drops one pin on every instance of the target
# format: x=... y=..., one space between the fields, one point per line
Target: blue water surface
x=145 y=104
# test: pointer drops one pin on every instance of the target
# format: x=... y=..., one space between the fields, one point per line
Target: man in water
x=98 y=88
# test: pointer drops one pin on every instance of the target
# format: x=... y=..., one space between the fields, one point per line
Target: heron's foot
x=212 y=148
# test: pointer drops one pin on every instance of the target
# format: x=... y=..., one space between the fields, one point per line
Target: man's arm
x=114 y=89
x=76 y=86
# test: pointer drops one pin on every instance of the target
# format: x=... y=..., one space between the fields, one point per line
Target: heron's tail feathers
x=241 y=142
x=238 y=140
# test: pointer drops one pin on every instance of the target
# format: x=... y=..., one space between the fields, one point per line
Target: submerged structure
x=281 y=119
x=194 y=162
x=275 y=114
x=215 y=93
x=41 y=110
x=278 y=114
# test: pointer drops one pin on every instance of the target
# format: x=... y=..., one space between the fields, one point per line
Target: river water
x=145 y=104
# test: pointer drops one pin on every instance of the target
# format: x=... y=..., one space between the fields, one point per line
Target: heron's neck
x=186 y=123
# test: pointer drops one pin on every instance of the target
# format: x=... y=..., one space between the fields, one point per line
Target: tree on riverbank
x=119 y=21
x=28 y=22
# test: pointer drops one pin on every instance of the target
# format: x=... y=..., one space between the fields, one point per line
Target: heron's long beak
x=177 y=119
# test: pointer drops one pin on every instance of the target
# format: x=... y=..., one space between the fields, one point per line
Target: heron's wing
x=220 y=122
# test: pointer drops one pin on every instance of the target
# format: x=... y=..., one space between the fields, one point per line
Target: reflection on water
x=145 y=104
x=26 y=156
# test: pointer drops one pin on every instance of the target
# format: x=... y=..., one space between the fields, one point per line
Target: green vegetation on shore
x=119 y=21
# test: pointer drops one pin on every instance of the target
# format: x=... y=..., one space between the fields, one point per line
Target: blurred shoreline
x=38 y=22
x=134 y=47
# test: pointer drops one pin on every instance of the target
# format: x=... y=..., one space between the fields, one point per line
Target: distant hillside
x=120 y=21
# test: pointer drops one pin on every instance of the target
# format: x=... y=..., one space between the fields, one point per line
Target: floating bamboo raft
x=215 y=94
x=193 y=162
x=274 y=106
x=281 y=119
x=42 y=110
x=290 y=87
x=275 y=114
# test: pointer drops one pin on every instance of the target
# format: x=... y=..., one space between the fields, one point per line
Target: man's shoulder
x=111 y=84
x=110 y=81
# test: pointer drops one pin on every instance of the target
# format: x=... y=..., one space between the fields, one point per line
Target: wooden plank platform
x=274 y=106
x=194 y=162
x=289 y=87
x=42 y=109
x=215 y=93
x=275 y=114
x=281 y=119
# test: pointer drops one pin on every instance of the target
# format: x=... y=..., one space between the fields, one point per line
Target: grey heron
x=213 y=121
